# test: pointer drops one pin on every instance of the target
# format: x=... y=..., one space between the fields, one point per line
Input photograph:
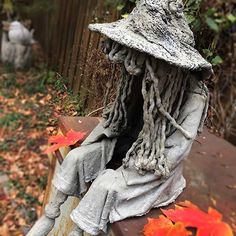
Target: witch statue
x=160 y=107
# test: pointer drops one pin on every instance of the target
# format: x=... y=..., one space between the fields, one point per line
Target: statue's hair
x=163 y=94
x=116 y=117
x=163 y=97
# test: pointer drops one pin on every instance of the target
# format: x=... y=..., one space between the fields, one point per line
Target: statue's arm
x=177 y=146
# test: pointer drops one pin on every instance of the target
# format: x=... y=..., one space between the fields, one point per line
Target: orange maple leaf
x=207 y=224
x=58 y=141
x=162 y=226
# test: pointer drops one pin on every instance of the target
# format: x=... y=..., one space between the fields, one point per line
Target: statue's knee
x=105 y=181
x=77 y=155
x=82 y=155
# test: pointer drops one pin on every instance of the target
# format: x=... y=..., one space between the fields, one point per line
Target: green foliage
x=11 y=120
x=2 y=161
x=37 y=7
x=231 y=18
x=209 y=20
x=9 y=82
x=71 y=99
x=216 y=60
x=7 y=6
x=28 y=198
x=7 y=144
x=119 y=5
x=60 y=84
x=38 y=86
x=42 y=181
x=26 y=8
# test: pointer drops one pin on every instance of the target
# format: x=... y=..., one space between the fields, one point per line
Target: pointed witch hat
x=158 y=28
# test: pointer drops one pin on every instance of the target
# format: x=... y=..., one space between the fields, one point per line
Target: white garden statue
x=16 y=46
x=160 y=107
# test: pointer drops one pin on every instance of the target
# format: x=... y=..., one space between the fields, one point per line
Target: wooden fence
x=70 y=46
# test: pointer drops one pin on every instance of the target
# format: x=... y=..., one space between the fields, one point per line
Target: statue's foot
x=42 y=227
x=52 y=211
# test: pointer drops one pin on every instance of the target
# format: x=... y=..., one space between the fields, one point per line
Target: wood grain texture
x=67 y=42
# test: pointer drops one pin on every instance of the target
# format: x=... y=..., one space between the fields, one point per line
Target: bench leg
x=52 y=211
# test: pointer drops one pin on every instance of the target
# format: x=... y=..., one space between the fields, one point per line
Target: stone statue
x=161 y=105
x=16 y=45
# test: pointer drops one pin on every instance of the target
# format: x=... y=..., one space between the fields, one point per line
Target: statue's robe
x=121 y=193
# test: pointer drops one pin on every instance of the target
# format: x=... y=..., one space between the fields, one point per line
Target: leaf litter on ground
x=30 y=104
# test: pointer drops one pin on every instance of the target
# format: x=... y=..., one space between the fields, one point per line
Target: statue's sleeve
x=192 y=116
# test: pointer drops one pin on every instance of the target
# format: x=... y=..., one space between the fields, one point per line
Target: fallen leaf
x=162 y=226
x=4 y=230
x=231 y=186
x=22 y=221
x=58 y=141
x=207 y=224
x=213 y=200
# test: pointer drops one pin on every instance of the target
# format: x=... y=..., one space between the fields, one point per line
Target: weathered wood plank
x=77 y=41
x=65 y=34
x=83 y=45
x=71 y=35
x=62 y=11
x=54 y=28
x=68 y=43
x=88 y=75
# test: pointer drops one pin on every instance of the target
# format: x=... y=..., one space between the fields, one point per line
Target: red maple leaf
x=162 y=226
x=207 y=224
x=58 y=141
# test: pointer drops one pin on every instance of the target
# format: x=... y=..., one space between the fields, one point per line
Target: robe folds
x=118 y=194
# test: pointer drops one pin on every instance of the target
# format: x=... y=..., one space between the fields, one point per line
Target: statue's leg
x=92 y=213
x=52 y=210
x=80 y=166
x=67 y=182
x=116 y=195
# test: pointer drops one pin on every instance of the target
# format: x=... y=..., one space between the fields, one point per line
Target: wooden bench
x=210 y=173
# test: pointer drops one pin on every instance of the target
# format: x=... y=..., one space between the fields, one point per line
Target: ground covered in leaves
x=30 y=103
